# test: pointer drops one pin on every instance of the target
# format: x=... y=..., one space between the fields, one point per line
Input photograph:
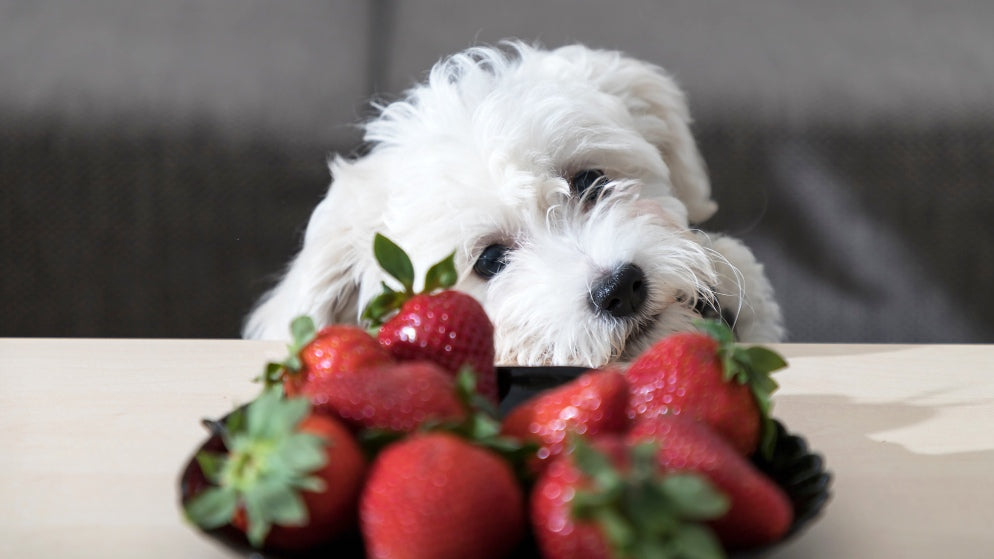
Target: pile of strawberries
x=394 y=436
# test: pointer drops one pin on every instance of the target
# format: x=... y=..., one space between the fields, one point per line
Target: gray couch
x=159 y=159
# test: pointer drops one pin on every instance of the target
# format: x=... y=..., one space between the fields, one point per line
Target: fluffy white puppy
x=569 y=185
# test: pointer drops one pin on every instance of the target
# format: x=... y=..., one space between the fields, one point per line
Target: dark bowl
x=799 y=471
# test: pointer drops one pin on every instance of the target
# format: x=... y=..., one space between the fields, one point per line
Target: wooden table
x=93 y=434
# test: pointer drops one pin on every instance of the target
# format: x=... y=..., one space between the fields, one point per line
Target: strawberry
x=760 y=511
x=707 y=376
x=397 y=397
x=447 y=327
x=333 y=350
x=594 y=403
x=437 y=496
x=607 y=499
x=288 y=479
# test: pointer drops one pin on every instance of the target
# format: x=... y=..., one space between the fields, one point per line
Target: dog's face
x=566 y=182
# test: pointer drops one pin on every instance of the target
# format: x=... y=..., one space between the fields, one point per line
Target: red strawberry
x=707 y=376
x=447 y=327
x=334 y=350
x=289 y=479
x=593 y=403
x=397 y=397
x=437 y=496
x=608 y=499
x=760 y=511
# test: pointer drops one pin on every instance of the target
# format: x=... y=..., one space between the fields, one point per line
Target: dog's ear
x=659 y=108
x=323 y=280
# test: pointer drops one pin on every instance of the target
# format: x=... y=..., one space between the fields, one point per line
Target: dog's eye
x=587 y=183
x=491 y=261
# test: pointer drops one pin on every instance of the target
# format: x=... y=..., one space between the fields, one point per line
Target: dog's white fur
x=482 y=154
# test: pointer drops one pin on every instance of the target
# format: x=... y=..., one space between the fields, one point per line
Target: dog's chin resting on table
x=569 y=185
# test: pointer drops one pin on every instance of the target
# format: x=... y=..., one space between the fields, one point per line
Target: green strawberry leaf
x=694 y=497
x=481 y=424
x=212 y=508
x=764 y=359
x=652 y=548
x=482 y=427
x=303 y=332
x=272 y=375
x=594 y=464
x=696 y=542
x=235 y=424
x=442 y=275
x=301 y=452
x=470 y=397
x=718 y=330
x=211 y=464
x=617 y=529
x=291 y=412
x=263 y=418
x=383 y=305
x=313 y=484
x=257 y=526
x=394 y=261
x=270 y=502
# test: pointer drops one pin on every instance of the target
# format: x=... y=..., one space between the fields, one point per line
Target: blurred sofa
x=159 y=159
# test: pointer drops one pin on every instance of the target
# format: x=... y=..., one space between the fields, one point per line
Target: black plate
x=794 y=467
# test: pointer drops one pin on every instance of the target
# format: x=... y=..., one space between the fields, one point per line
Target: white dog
x=569 y=185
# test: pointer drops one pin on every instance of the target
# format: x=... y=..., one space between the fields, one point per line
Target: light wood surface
x=94 y=433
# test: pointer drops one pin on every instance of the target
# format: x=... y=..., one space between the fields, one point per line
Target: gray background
x=159 y=159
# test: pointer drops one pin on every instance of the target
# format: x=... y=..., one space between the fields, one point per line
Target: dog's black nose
x=621 y=293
